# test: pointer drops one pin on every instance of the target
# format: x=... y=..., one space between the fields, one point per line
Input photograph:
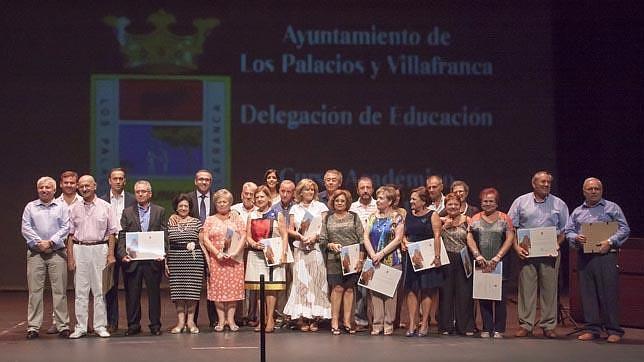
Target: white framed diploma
x=273 y=251
x=380 y=278
x=538 y=241
x=597 y=232
x=145 y=245
x=488 y=285
x=421 y=254
x=350 y=258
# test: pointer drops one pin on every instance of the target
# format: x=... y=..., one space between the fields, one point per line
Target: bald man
x=598 y=275
x=90 y=248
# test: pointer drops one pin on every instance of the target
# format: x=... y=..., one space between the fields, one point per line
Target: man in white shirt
x=68 y=198
x=248 y=201
x=364 y=206
x=434 y=184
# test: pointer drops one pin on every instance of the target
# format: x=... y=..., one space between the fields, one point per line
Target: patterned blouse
x=490 y=236
x=382 y=231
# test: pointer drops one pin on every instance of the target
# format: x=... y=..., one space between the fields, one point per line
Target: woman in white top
x=308 y=298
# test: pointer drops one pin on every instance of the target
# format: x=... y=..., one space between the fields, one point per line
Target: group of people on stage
x=207 y=237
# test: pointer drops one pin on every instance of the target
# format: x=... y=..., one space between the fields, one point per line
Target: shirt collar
x=600 y=202
x=539 y=202
x=116 y=196
x=142 y=208
x=51 y=203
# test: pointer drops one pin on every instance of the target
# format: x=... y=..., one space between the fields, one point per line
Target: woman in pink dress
x=224 y=233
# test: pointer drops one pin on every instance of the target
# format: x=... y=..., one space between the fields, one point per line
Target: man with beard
x=364 y=206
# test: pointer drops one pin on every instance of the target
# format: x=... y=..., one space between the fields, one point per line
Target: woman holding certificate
x=222 y=234
x=308 y=299
x=339 y=229
x=185 y=263
x=382 y=236
x=420 y=286
x=265 y=223
x=455 y=295
x=490 y=238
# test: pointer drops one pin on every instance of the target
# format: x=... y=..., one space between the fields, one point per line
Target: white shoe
x=78 y=333
x=485 y=334
x=102 y=332
x=498 y=335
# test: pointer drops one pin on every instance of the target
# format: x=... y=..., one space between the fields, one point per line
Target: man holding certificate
x=142 y=251
x=540 y=218
x=598 y=275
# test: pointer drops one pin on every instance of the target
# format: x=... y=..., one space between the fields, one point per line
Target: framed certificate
x=595 y=233
x=380 y=278
x=147 y=245
x=488 y=285
x=538 y=241
x=309 y=227
x=350 y=257
x=467 y=262
x=232 y=243
x=273 y=251
x=421 y=254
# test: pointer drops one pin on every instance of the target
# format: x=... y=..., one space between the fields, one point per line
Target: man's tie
x=202 y=209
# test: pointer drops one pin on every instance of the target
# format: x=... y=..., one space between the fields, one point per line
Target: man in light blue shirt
x=538 y=209
x=45 y=226
x=598 y=274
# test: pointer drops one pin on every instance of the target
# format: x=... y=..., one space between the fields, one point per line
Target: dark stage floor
x=286 y=345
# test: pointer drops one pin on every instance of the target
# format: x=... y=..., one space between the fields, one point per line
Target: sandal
x=177 y=329
x=335 y=331
x=349 y=330
x=304 y=328
x=313 y=327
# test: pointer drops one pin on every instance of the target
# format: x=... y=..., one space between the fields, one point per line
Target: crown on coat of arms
x=161 y=49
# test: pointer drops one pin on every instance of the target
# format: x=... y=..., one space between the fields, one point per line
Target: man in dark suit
x=119 y=199
x=144 y=216
x=202 y=207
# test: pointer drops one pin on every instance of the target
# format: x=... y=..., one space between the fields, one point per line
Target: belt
x=89 y=243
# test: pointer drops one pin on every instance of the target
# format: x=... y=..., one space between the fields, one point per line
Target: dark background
x=597 y=74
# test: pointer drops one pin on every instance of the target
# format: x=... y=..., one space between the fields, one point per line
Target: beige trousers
x=40 y=265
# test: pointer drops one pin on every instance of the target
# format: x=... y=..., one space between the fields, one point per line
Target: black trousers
x=144 y=270
x=598 y=284
x=210 y=305
x=494 y=312
x=455 y=298
x=112 y=297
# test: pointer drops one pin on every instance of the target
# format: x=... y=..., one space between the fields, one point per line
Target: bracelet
x=437 y=257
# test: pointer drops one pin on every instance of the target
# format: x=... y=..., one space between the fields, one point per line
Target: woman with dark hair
x=185 y=263
x=272 y=181
x=419 y=286
x=490 y=238
x=341 y=228
x=455 y=312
